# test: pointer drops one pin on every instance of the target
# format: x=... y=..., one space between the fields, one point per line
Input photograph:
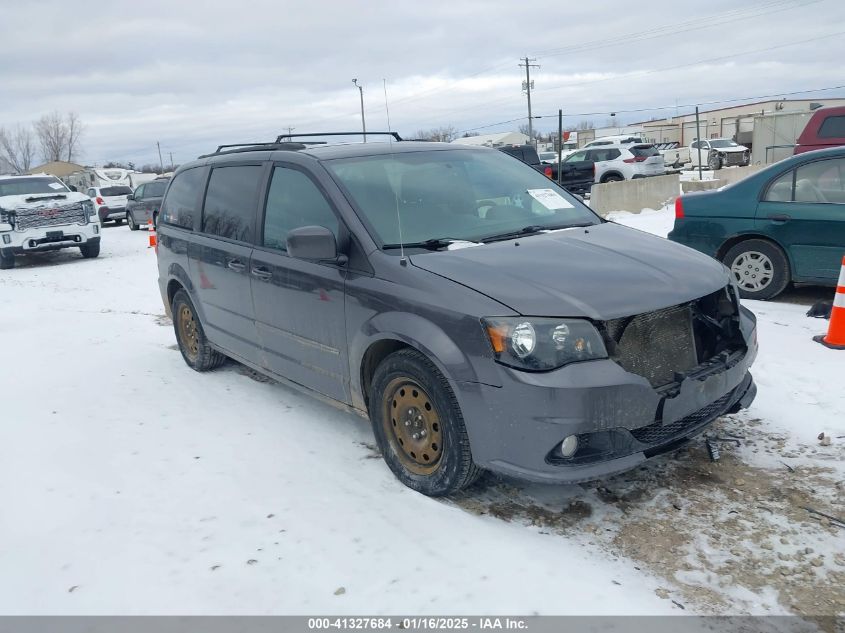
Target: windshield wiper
x=433 y=244
x=532 y=229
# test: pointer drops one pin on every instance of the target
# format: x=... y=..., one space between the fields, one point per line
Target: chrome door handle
x=262 y=273
x=236 y=265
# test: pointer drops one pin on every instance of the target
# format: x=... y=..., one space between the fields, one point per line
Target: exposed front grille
x=49 y=215
x=658 y=433
x=655 y=345
x=733 y=158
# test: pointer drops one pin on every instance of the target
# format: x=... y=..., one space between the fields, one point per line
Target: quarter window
x=781 y=189
x=139 y=192
x=179 y=205
x=229 y=209
x=294 y=201
x=832 y=127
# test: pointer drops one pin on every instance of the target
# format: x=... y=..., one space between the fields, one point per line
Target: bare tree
x=445 y=134
x=17 y=146
x=59 y=135
x=74 y=131
x=586 y=125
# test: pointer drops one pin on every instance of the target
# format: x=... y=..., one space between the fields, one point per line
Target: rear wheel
x=118 y=221
x=759 y=268
x=612 y=178
x=193 y=344
x=419 y=427
x=6 y=261
x=90 y=250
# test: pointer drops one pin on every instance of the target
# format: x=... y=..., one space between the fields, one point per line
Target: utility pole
x=559 y=144
x=363 y=122
x=527 y=85
x=290 y=130
x=171 y=159
x=160 y=161
x=697 y=140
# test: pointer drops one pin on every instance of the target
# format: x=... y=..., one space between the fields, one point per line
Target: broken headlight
x=541 y=344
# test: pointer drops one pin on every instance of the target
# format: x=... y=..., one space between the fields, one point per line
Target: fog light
x=7 y=239
x=569 y=445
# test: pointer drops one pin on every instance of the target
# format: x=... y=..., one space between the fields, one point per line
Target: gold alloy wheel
x=412 y=426
x=188 y=332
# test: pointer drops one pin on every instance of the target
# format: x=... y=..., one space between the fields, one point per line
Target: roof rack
x=281 y=137
x=234 y=148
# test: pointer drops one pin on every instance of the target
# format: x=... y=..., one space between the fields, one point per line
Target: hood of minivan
x=601 y=272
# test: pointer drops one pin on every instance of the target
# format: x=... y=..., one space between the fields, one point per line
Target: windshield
x=454 y=194
x=115 y=191
x=27 y=186
x=723 y=142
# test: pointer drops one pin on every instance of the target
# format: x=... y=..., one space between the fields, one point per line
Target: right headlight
x=541 y=344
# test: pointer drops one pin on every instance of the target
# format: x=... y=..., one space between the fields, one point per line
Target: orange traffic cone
x=835 y=338
x=153 y=240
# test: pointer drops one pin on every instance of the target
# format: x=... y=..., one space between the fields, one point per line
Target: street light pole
x=363 y=122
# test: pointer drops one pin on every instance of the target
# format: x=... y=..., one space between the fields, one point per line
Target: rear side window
x=229 y=209
x=644 y=151
x=294 y=201
x=832 y=127
x=180 y=204
x=155 y=189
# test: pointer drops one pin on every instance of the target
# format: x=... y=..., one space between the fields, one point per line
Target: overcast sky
x=194 y=74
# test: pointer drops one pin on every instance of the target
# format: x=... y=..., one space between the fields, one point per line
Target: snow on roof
x=494 y=140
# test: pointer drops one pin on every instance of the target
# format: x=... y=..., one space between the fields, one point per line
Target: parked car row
x=119 y=202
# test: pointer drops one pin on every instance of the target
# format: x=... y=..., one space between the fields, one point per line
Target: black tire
x=714 y=162
x=193 y=344
x=407 y=377
x=751 y=259
x=131 y=221
x=90 y=250
x=7 y=262
x=612 y=178
x=118 y=222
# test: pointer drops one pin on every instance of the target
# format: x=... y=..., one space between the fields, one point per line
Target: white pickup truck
x=719 y=152
x=675 y=155
x=39 y=213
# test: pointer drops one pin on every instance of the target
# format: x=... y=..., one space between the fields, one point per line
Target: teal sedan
x=784 y=224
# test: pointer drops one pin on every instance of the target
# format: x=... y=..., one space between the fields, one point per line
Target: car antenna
x=402 y=260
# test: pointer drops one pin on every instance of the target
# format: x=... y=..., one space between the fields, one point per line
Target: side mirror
x=130 y=196
x=313 y=243
x=73 y=188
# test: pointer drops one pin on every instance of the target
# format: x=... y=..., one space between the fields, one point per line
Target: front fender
x=418 y=332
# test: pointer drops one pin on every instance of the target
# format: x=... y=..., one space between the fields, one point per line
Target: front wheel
x=197 y=352
x=759 y=268
x=715 y=162
x=90 y=250
x=418 y=425
x=131 y=222
x=7 y=262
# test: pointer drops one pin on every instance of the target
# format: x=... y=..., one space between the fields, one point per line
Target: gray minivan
x=479 y=315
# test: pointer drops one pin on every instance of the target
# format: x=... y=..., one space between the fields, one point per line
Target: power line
x=636 y=73
x=703 y=22
x=706 y=22
x=668 y=107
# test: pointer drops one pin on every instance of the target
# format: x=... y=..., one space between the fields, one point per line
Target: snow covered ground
x=133 y=485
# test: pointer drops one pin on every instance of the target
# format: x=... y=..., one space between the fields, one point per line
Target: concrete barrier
x=689 y=186
x=634 y=195
x=652 y=193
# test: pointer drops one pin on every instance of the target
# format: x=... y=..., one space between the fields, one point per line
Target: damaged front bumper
x=620 y=420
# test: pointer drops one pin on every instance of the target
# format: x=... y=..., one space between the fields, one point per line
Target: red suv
x=826 y=128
